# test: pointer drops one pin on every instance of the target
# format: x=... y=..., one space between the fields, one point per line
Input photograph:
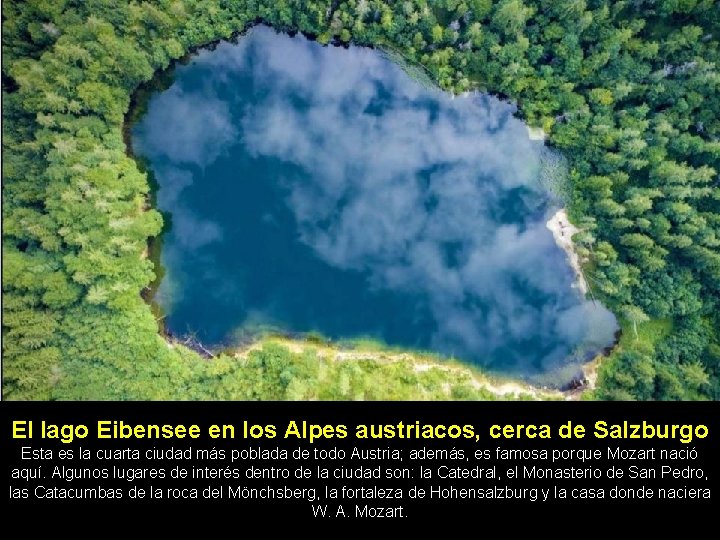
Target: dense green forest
x=628 y=90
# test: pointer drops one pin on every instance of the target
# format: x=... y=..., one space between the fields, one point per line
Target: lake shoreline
x=563 y=231
x=503 y=387
x=559 y=225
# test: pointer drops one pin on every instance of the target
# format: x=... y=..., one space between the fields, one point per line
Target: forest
x=629 y=91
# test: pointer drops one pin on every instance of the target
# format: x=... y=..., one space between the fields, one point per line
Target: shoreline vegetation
x=577 y=379
x=498 y=386
x=374 y=354
x=628 y=92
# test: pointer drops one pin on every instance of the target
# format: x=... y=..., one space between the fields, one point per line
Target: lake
x=328 y=190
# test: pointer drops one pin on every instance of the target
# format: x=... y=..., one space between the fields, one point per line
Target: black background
x=480 y=414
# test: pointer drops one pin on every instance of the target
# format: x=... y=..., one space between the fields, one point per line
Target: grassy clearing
x=649 y=333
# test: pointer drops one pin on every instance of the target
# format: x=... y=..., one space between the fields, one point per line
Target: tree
x=510 y=16
x=635 y=315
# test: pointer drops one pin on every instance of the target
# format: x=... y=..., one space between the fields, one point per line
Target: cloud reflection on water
x=411 y=197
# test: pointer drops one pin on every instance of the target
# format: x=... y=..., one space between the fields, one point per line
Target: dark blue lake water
x=321 y=189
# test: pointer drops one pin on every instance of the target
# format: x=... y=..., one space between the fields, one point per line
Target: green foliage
x=630 y=91
x=273 y=372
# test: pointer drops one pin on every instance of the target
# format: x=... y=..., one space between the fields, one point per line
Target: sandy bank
x=563 y=231
x=536 y=133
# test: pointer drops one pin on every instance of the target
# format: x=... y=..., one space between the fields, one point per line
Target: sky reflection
x=432 y=199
